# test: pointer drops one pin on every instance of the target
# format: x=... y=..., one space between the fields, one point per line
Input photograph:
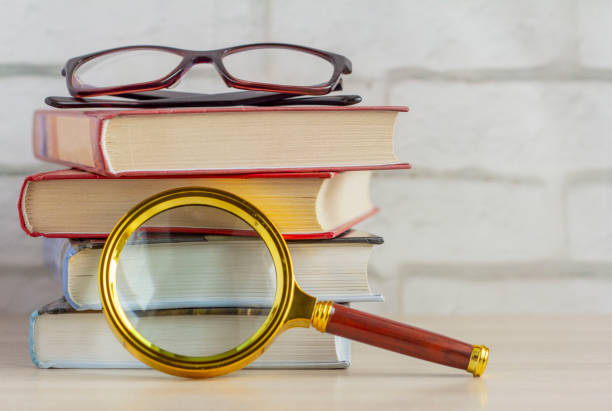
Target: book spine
x=67 y=252
x=20 y=208
x=46 y=141
x=32 y=349
x=57 y=253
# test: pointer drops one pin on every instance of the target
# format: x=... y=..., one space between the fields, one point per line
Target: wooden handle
x=392 y=335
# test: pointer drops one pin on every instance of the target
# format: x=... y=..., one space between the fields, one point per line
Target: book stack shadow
x=307 y=169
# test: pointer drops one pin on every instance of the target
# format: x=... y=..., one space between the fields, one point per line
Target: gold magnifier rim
x=180 y=365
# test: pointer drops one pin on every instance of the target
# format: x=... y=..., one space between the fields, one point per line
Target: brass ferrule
x=320 y=315
x=478 y=360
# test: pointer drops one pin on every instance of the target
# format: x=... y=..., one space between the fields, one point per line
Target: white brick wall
x=464 y=219
x=508 y=206
x=379 y=36
x=589 y=208
x=534 y=127
x=49 y=32
x=595 y=31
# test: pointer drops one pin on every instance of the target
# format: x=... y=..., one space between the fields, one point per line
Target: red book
x=77 y=204
x=218 y=140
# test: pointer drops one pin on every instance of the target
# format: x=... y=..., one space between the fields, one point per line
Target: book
x=61 y=337
x=217 y=140
x=77 y=204
x=334 y=269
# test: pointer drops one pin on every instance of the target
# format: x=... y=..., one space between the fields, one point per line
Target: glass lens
x=191 y=291
x=126 y=67
x=279 y=66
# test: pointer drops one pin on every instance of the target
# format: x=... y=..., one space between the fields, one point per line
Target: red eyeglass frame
x=341 y=64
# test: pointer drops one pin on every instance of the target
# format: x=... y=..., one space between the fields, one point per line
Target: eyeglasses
x=269 y=67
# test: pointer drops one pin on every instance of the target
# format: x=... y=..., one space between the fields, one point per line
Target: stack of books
x=308 y=169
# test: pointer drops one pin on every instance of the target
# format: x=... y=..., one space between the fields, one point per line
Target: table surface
x=536 y=362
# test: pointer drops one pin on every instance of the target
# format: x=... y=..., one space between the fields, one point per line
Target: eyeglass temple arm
x=159 y=94
x=391 y=335
x=153 y=100
x=239 y=97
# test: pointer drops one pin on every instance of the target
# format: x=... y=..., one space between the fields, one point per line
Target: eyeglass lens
x=274 y=66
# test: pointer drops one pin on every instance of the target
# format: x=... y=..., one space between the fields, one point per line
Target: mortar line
x=27 y=69
x=465 y=174
x=544 y=269
x=553 y=72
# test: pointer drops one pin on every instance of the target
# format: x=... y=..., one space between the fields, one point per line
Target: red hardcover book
x=218 y=140
x=77 y=204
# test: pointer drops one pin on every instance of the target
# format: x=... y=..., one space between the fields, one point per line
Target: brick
x=25 y=289
x=594 y=32
x=516 y=127
x=378 y=37
x=372 y=92
x=42 y=32
x=17 y=248
x=431 y=219
x=589 y=209
x=508 y=295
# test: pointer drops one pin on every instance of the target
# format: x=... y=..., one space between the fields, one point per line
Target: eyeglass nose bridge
x=193 y=58
x=201 y=59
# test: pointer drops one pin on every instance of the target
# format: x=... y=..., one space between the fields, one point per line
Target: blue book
x=331 y=269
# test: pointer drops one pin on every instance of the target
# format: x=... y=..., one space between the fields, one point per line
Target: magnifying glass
x=197 y=282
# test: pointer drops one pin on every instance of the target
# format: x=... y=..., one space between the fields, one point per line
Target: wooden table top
x=536 y=362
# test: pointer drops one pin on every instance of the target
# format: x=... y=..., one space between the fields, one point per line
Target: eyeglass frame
x=341 y=65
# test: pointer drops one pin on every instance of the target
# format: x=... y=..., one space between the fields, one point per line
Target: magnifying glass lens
x=196 y=281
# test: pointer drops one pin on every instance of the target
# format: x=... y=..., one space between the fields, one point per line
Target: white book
x=61 y=337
